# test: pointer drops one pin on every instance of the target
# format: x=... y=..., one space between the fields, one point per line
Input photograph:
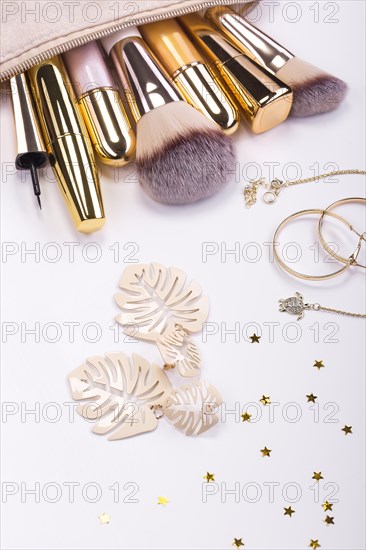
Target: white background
x=166 y=462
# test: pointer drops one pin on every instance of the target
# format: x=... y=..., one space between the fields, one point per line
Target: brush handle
x=248 y=39
x=146 y=83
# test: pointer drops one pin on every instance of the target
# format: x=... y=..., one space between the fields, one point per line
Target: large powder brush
x=181 y=156
x=315 y=91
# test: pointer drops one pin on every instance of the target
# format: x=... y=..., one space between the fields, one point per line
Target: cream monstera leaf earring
x=128 y=396
x=159 y=304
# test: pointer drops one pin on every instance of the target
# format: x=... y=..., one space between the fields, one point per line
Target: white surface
x=165 y=462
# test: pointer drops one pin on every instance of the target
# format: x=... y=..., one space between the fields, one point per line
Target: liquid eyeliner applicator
x=32 y=153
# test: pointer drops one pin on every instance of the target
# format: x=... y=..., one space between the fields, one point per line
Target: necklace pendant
x=294 y=305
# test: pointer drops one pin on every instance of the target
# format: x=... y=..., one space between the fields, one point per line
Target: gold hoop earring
x=351 y=260
x=362 y=236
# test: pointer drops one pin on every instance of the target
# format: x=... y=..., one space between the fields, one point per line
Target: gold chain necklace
x=295 y=305
x=274 y=188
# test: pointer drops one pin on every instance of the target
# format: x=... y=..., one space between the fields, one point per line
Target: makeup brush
x=31 y=149
x=181 y=156
x=315 y=91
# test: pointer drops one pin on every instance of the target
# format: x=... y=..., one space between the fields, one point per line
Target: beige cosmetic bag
x=35 y=30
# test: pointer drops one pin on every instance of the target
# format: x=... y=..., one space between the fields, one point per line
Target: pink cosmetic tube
x=101 y=105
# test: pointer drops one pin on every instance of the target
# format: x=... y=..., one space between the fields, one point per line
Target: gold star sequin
x=163 y=501
x=104 y=519
x=288 y=511
x=266 y=452
x=329 y=520
x=327 y=506
x=347 y=430
x=314 y=544
x=255 y=338
x=246 y=417
x=209 y=477
x=319 y=365
x=312 y=398
x=238 y=543
x=265 y=399
x=317 y=476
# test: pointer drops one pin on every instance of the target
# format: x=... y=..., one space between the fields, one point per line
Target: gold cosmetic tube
x=265 y=100
x=68 y=144
x=249 y=39
x=194 y=78
x=100 y=104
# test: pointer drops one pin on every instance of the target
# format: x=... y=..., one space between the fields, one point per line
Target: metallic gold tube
x=101 y=105
x=265 y=100
x=68 y=144
x=144 y=81
x=249 y=39
x=108 y=125
x=195 y=79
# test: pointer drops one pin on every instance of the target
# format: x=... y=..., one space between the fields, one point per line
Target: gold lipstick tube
x=108 y=125
x=100 y=104
x=248 y=39
x=266 y=101
x=196 y=81
x=68 y=144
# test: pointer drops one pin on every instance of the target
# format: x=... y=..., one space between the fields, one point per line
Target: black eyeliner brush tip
x=36 y=186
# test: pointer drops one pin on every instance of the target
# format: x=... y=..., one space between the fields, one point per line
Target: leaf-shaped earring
x=154 y=296
x=161 y=306
x=118 y=393
x=178 y=351
x=128 y=397
x=194 y=408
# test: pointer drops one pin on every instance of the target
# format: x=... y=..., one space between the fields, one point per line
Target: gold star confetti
x=209 y=477
x=255 y=338
x=104 y=519
x=246 y=417
x=312 y=398
x=163 y=501
x=266 y=452
x=347 y=430
x=317 y=476
x=327 y=506
x=329 y=520
x=265 y=399
x=238 y=543
x=319 y=365
x=314 y=544
x=289 y=511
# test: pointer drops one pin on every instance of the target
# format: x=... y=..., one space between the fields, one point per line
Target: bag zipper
x=37 y=59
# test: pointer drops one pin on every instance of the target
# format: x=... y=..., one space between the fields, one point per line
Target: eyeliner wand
x=35 y=181
x=31 y=150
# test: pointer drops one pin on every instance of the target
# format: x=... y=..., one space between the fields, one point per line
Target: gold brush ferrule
x=265 y=100
x=196 y=81
x=146 y=83
x=108 y=125
x=248 y=39
x=68 y=144
x=202 y=89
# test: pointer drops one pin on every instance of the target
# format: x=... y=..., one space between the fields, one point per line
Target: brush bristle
x=181 y=156
x=315 y=91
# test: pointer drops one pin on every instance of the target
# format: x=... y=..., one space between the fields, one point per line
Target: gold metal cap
x=202 y=89
x=248 y=39
x=108 y=125
x=145 y=82
x=265 y=100
x=68 y=144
